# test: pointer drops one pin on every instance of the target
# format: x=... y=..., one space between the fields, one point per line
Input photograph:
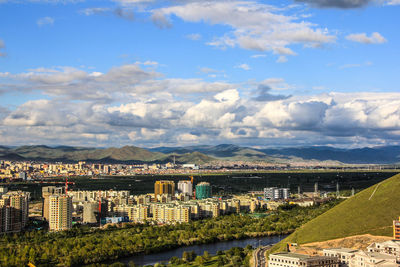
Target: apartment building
x=288 y=259
x=60 y=212
x=14 y=208
x=344 y=255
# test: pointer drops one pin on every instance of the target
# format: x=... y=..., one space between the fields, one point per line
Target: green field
x=371 y=211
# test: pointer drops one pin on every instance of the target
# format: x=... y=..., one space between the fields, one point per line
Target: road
x=259 y=256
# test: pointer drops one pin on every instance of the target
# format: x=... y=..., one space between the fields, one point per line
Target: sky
x=193 y=72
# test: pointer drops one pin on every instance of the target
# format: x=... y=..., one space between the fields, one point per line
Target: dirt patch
x=354 y=242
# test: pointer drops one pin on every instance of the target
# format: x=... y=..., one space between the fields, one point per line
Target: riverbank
x=212 y=249
x=86 y=245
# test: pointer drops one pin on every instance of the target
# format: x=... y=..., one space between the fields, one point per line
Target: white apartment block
x=60 y=212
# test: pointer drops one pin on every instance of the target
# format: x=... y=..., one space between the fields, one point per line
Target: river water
x=152 y=259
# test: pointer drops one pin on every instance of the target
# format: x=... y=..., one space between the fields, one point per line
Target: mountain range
x=203 y=154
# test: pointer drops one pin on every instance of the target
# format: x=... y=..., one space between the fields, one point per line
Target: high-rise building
x=60 y=212
x=274 y=193
x=185 y=187
x=14 y=208
x=164 y=187
x=203 y=190
x=47 y=191
x=90 y=212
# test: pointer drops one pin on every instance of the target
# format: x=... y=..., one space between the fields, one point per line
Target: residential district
x=61 y=208
x=30 y=170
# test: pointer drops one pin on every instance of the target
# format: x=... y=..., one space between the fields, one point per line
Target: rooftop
x=343 y=250
x=291 y=255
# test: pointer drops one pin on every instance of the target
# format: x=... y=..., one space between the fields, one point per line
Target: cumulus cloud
x=255 y=26
x=374 y=38
x=264 y=94
x=344 y=4
x=131 y=103
x=45 y=21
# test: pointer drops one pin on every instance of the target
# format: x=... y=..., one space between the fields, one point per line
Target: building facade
x=203 y=190
x=185 y=187
x=288 y=259
x=164 y=187
x=14 y=208
x=60 y=212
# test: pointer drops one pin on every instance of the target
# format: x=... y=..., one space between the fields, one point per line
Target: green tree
x=199 y=260
x=206 y=256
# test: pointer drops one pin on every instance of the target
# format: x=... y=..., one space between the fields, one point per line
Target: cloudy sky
x=185 y=72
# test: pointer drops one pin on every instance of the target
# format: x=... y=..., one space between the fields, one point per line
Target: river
x=212 y=248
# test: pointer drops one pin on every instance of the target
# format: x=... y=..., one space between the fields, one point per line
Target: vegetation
x=371 y=211
x=233 y=257
x=126 y=154
x=84 y=245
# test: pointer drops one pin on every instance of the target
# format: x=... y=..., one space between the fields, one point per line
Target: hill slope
x=106 y=155
x=371 y=211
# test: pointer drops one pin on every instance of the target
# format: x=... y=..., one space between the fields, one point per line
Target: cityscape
x=199 y=133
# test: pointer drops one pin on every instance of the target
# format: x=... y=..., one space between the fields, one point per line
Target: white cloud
x=254 y=26
x=374 y=38
x=358 y=65
x=393 y=2
x=194 y=36
x=130 y=2
x=243 y=66
x=131 y=103
x=94 y=10
x=258 y=56
x=282 y=59
x=45 y=21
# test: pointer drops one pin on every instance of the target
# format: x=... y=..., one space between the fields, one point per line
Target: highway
x=259 y=256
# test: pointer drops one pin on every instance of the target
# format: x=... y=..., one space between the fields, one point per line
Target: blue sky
x=153 y=73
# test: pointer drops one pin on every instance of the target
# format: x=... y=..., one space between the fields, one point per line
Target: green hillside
x=112 y=154
x=371 y=211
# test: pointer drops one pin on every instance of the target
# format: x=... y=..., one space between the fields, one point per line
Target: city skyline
x=177 y=73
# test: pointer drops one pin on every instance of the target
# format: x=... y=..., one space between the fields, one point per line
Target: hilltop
x=371 y=211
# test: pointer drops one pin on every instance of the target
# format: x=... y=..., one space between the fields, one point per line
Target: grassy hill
x=109 y=155
x=371 y=211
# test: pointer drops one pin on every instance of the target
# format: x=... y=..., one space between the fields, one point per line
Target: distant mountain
x=112 y=155
x=223 y=151
x=376 y=155
x=204 y=154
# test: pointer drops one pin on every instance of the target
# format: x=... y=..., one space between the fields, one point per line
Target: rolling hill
x=109 y=155
x=374 y=155
x=371 y=211
x=206 y=153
